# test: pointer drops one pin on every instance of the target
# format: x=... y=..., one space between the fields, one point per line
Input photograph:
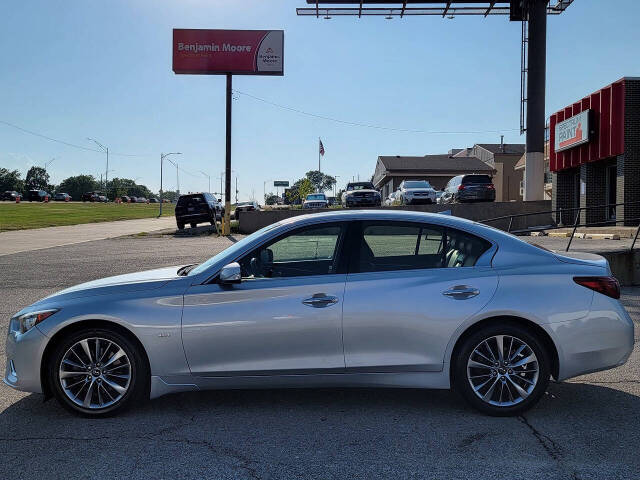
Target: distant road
x=17 y=241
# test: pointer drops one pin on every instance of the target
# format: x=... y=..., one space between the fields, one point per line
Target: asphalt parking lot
x=587 y=428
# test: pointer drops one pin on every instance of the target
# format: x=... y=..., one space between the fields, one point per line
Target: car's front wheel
x=502 y=370
x=97 y=372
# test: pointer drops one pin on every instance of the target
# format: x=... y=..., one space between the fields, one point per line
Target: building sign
x=219 y=52
x=572 y=132
x=281 y=183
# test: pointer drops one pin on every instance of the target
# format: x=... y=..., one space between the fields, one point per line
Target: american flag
x=321 y=147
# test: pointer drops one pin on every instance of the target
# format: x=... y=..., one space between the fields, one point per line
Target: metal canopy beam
x=417 y=7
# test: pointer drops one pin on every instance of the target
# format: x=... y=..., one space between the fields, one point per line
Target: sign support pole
x=226 y=226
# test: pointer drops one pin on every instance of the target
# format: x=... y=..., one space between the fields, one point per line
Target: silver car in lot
x=358 y=298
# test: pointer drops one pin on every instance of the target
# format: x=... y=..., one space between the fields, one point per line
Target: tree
x=320 y=181
x=10 y=180
x=37 y=179
x=170 y=195
x=76 y=186
x=299 y=191
x=271 y=199
x=339 y=197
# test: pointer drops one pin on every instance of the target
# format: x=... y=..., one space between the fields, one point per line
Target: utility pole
x=162 y=157
x=236 y=189
x=106 y=171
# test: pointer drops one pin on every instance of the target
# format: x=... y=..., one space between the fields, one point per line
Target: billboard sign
x=281 y=183
x=220 y=52
x=572 y=132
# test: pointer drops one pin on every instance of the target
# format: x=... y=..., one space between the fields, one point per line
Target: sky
x=73 y=69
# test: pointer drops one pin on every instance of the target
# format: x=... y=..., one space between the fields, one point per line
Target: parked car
x=153 y=200
x=102 y=199
x=134 y=199
x=125 y=199
x=198 y=208
x=361 y=194
x=91 y=196
x=439 y=194
x=11 y=195
x=469 y=188
x=280 y=301
x=315 y=200
x=62 y=197
x=413 y=192
x=247 y=206
x=141 y=200
x=38 y=195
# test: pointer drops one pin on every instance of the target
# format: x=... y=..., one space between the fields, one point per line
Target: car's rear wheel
x=97 y=372
x=180 y=226
x=502 y=370
x=193 y=225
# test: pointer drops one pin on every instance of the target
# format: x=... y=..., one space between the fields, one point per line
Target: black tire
x=180 y=226
x=193 y=225
x=462 y=384
x=138 y=387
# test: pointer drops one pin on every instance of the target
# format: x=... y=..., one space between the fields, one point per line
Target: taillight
x=461 y=187
x=608 y=286
x=491 y=187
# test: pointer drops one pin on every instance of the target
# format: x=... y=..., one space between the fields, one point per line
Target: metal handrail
x=575 y=224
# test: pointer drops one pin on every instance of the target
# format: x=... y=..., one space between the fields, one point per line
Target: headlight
x=26 y=322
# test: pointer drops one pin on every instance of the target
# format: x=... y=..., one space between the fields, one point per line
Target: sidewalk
x=36 y=239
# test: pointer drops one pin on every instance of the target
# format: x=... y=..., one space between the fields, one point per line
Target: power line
x=80 y=147
x=367 y=125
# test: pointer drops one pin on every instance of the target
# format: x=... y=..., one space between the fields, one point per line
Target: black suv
x=469 y=188
x=92 y=196
x=198 y=208
x=37 y=196
x=361 y=194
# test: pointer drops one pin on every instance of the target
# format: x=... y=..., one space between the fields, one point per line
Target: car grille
x=316 y=205
x=363 y=194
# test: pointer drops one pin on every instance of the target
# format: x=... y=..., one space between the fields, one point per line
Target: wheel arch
x=533 y=327
x=60 y=334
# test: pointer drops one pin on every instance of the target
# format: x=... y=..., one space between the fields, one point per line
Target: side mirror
x=230 y=274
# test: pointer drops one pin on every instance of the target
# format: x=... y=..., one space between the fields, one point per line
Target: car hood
x=420 y=190
x=129 y=282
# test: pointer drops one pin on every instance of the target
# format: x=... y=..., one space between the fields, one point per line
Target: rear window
x=483 y=179
x=190 y=200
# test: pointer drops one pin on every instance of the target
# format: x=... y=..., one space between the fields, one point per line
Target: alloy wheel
x=95 y=373
x=503 y=370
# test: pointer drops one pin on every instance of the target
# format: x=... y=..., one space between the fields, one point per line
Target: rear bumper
x=477 y=196
x=600 y=341
x=193 y=217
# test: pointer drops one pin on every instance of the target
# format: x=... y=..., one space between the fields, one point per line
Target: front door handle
x=461 y=292
x=320 y=300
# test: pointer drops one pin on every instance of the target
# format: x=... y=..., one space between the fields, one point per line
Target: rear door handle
x=320 y=300
x=461 y=292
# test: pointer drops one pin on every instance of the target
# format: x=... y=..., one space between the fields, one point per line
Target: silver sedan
x=359 y=298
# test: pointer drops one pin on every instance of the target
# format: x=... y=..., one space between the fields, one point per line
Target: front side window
x=409 y=246
x=310 y=251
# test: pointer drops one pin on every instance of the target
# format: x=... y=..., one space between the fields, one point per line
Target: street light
x=106 y=150
x=162 y=157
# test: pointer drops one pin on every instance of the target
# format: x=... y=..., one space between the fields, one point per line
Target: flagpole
x=319 y=141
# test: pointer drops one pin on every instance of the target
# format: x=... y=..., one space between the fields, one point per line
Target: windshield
x=417 y=184
x=360 y=186
x=236 y=247
x=316 y=196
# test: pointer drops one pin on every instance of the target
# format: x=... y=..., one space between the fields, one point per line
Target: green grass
x=27 y=215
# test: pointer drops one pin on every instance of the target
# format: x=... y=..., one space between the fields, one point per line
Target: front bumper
x=418 y=200
x=363 y=201
x=600 y=341
x=23 y=357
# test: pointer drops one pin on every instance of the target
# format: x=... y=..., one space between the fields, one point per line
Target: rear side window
x=481 y=179
x=409 y=246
